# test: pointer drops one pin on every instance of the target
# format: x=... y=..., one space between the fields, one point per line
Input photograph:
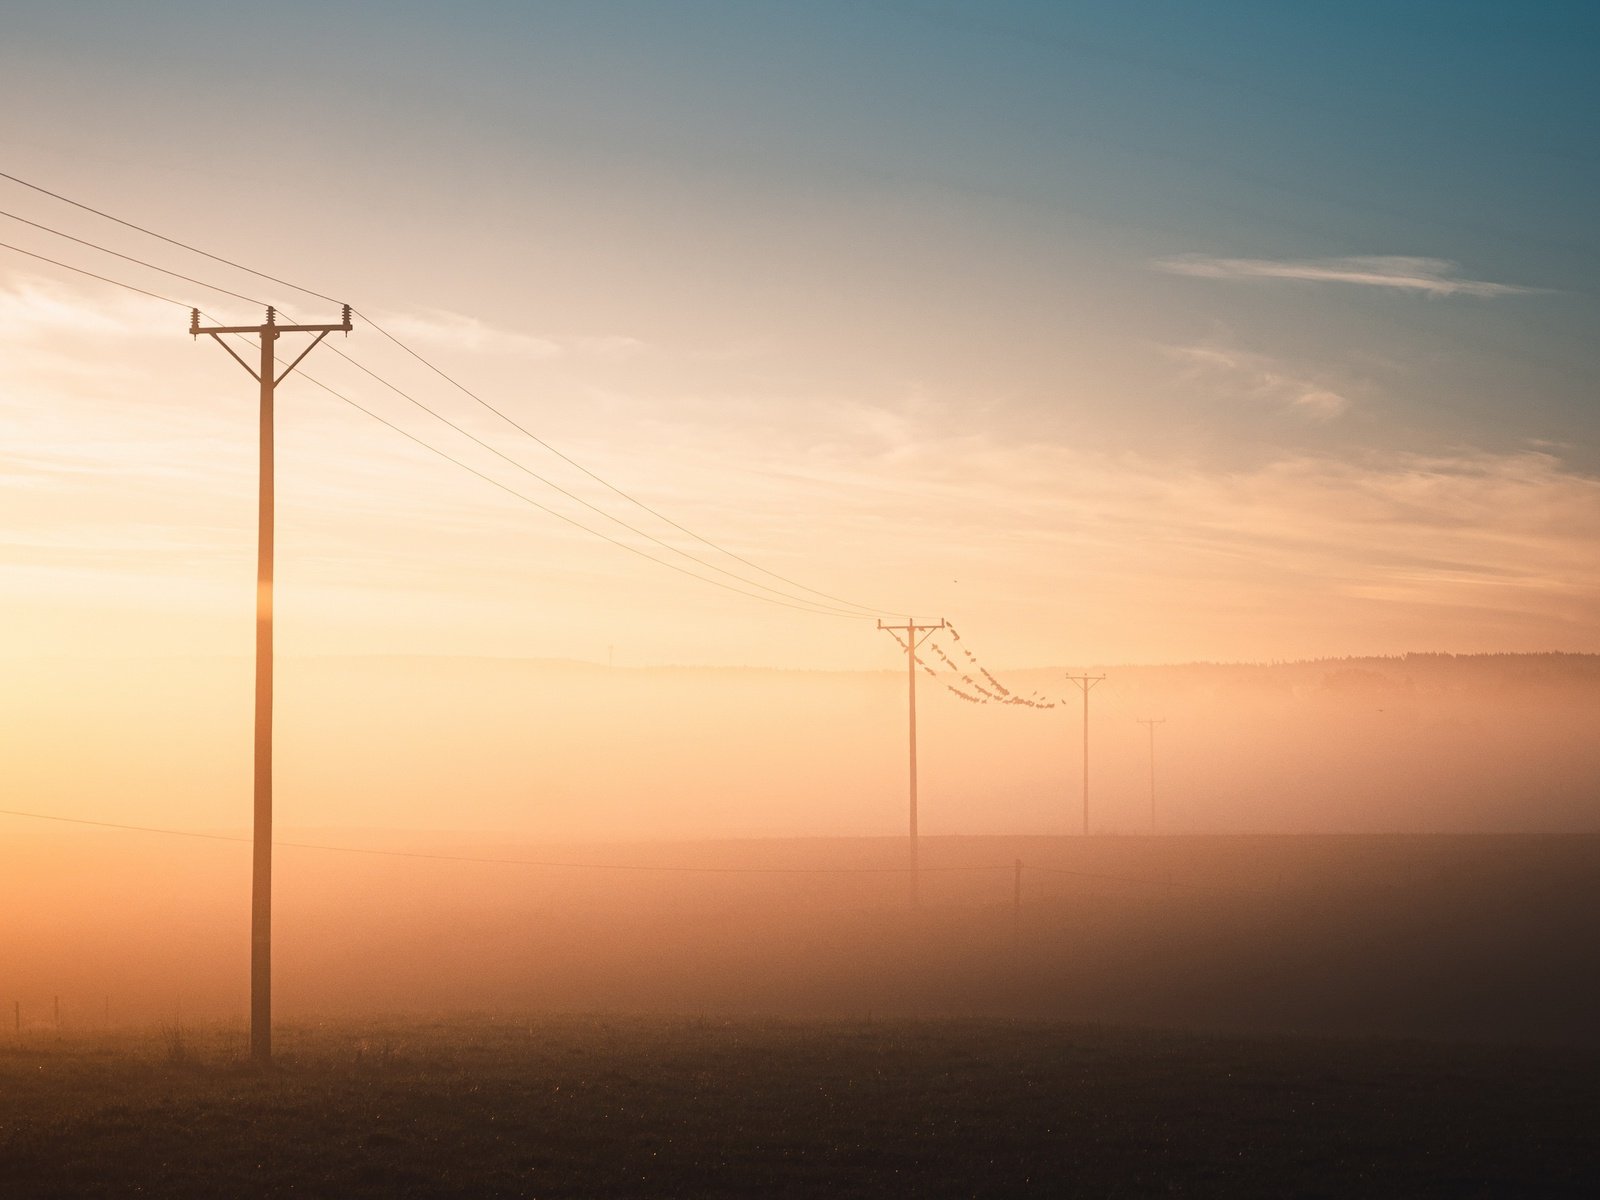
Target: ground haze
x=1481 y=937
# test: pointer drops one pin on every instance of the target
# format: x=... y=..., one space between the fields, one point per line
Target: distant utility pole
x=911 y=641
x=261 y=861
x=1085 y=682
x=1151 y=723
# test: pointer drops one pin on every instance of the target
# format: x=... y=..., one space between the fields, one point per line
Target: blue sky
x=1290 y=296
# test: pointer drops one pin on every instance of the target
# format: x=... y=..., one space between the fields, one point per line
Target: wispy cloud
x=1257 y=377
x=1309 y=553
x=32 y=307
x=1430 y=276
x=45 y=326
x=457 y=331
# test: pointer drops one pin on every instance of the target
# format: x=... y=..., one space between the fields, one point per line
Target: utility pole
x=911 y=641
x=1151 y=723
x=268 y=377
x=1085 y=682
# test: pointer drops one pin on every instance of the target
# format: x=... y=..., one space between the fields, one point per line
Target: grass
x=705 y=1107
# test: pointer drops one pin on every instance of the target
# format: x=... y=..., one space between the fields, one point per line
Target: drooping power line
x=866 y=610
x=711 y=566
x=794 y=603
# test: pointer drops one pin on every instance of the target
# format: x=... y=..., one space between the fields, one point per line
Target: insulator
x=272 y=315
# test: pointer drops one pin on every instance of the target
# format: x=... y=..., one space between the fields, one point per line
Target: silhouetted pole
x=1085 y=682
x=261 y=842
x=1151 y=723
x=911 y=629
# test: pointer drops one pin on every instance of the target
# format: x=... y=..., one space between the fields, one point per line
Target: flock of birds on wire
x=990 y=690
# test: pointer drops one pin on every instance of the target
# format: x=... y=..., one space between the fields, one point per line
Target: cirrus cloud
x=1400 y=272
x=1258 y=377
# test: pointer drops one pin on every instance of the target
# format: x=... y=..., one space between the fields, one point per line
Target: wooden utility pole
x=911 y=641
x=1085 y=682
x=1151 y=723
x=261 y=844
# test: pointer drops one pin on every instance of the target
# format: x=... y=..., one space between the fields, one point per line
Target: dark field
x=642 y=1106
x=1383 y=1016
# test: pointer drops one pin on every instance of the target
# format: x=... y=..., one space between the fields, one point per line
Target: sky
x=1117 y=333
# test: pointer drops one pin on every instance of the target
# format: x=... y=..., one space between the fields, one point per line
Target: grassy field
x=585 y=1106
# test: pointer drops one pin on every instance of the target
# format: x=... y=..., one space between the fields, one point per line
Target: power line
x=114 y=282
x=864 y=616
x=995 y=691
x=129 y=258
x=796 y=603
x=799 y=605
x=710 y=566
x=164 y=238
x=606 y=483
x=793 y=602
x=867 y=610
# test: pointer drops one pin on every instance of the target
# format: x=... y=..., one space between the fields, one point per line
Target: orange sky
x=129 y=477
x=994 y=343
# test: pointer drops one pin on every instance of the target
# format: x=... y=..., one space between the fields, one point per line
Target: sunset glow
x=1240 y=359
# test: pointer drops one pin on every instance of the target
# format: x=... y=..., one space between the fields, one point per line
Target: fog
x=559 y=751
x=1478 y=936
x=1401 y=846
